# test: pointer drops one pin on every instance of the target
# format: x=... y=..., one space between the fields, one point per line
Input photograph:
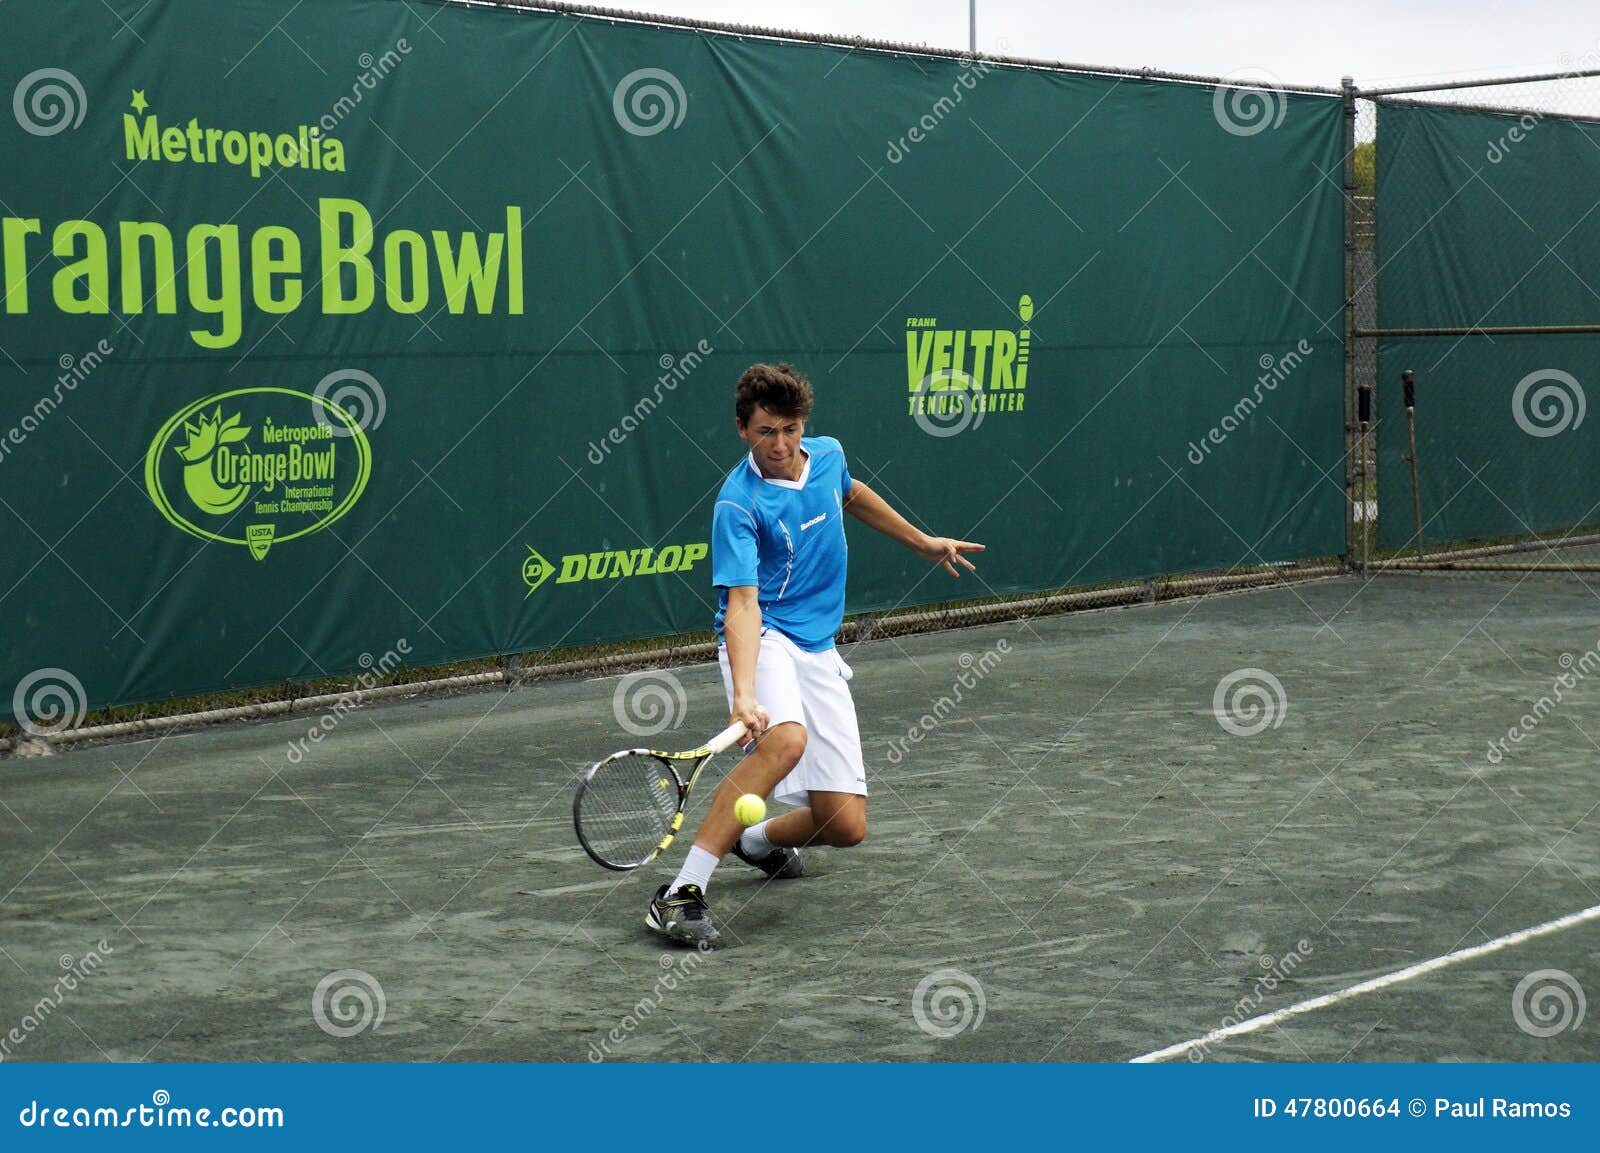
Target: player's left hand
x=946 y=551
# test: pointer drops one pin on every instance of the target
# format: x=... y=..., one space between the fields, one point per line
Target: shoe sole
x=671 y=932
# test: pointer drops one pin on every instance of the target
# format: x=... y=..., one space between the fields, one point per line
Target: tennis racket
x=629 y=807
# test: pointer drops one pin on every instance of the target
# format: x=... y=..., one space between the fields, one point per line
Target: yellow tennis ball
x=750 y=809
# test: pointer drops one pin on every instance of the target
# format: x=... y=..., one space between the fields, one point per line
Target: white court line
x=1376 y=983
x=461 y=827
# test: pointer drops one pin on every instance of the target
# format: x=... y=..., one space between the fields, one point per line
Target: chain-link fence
x=1474 y=318
x=1151 y=261
x=1175 y=237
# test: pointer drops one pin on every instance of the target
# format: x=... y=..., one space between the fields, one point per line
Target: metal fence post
x=1352 y=526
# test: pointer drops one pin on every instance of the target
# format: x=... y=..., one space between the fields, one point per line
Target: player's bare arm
x=742 y=634
x=874 y=512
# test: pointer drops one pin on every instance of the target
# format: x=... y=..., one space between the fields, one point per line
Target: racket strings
x=627 y=806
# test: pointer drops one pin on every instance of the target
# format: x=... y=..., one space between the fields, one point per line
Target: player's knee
x=786 y=742
x=850 y=835
x=845 y=831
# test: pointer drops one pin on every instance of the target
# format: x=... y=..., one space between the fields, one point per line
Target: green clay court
x=1108 y=869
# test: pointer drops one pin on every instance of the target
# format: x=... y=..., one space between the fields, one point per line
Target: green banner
x=335 y=324
x=1487 y=220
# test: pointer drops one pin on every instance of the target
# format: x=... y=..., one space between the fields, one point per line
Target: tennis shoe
x=684 y=916
x=782 y=864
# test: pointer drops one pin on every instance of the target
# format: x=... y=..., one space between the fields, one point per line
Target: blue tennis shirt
x=786 y=537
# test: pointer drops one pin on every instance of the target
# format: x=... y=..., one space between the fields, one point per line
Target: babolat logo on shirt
x=611 y=565
x=951 y=371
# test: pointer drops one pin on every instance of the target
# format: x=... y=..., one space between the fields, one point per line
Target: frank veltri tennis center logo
x=610 y=564
x=257 y=467
x=958 y=376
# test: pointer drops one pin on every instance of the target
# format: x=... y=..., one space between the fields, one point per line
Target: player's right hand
x=750 y=712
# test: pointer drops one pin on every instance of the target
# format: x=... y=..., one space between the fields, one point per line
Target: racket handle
x=727 y=738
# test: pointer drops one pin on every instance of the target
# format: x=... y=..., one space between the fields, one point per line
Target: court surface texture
x=1137 y=828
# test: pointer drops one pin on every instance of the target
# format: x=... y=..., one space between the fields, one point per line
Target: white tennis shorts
x=814 y=690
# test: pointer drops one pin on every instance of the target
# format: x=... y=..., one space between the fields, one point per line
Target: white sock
x=754 y=840
x=697 y=867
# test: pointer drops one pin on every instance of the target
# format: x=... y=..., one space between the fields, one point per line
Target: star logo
x=139 y=102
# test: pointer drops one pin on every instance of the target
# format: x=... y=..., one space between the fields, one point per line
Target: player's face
x=775 y=442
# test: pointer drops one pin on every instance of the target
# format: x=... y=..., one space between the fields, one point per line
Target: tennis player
x=778 y=560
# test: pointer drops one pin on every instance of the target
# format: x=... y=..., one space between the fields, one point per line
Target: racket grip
x=727 y=738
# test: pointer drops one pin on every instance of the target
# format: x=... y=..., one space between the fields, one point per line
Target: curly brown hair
x=778 y=388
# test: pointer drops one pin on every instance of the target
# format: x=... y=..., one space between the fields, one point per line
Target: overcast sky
x=1378 y=43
